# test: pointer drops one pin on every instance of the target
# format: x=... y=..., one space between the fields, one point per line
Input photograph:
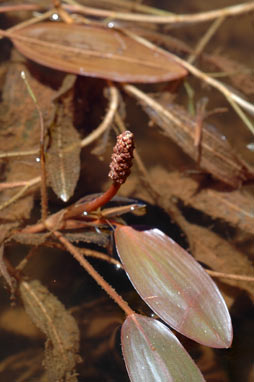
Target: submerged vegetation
x=71 y=74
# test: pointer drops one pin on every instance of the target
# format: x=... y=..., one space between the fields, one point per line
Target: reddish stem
x=94 y=204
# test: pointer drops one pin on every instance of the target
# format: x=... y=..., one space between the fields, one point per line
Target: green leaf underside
x=152 y=353
x=95 y=51
x=174 y=285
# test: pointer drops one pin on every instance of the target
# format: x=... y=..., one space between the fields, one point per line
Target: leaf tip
x=64 y=196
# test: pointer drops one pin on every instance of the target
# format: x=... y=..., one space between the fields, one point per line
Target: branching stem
x=93 y=273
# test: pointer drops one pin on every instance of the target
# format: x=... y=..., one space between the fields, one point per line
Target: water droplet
x=64 y=196
x=111 y=24
x=250 y=146
x=96 y=228
x=54 y=17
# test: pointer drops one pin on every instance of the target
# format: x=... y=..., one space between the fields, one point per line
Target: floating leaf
x=50 y=316
x=152 y=353
x=95 y=51
x=174 y=285
x=63 y=156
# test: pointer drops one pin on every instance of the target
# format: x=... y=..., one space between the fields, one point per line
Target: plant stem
x=168 y=19
x=59 y=219
x=94 y=204
x=95 y=275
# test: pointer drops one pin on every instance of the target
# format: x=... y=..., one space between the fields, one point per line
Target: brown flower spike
x=119 y=170
x=122 y=158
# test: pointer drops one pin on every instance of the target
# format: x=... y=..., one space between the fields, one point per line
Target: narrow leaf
x=152 y=353
x=215 y=154
x=63 y=156
x=60 y=328
x=4 y=272
x=174 y=285
x=235 y=207
x=95 y=51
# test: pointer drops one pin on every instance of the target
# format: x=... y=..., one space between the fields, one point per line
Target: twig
x=233 y=97
x=85 y=251
x=102 y=256
x=20 y=193
x=12 y=154
x=219 y=86
x=130 y=5
x=19 y=7
x=8 y=185
x=230 y=276
x=113 y=105
x=137 y=93
x=205 y=39
x=170 y=19
x=200 y=115
x=31 y=21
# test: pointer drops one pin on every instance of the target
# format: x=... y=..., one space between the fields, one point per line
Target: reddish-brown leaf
x=95 y=51
x=152 y=353
x=174 y=285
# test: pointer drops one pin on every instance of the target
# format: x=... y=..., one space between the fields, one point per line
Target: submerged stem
x=94 y=274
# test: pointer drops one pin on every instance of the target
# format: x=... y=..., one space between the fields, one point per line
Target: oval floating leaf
x=152 y=353
x=174 y=285
x=95 y=51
